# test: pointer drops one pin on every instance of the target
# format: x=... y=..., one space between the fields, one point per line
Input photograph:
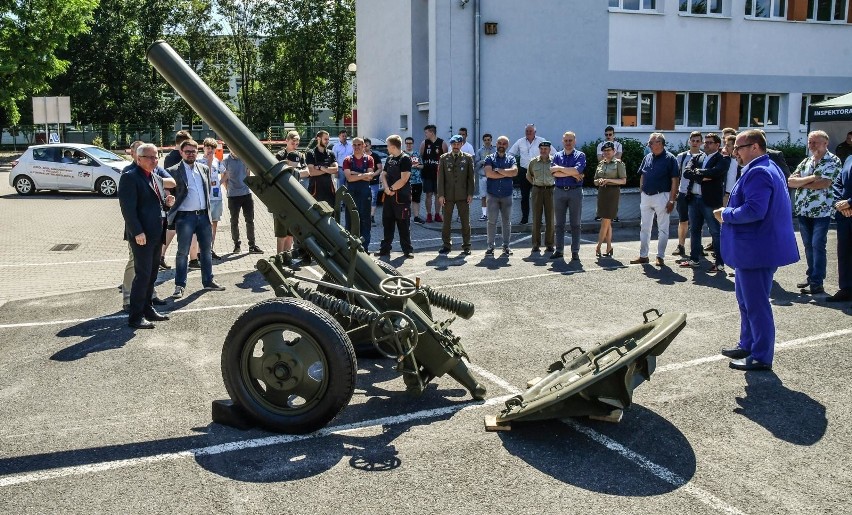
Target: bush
x=794 y=153
x=97 y=141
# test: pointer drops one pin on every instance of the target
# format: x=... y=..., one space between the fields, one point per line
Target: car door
x=77 y=170
x=44 y=169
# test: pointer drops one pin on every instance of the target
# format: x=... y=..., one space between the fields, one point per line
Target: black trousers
x=389 y=222
x=526 y=187
x=146 y=264
x=235 y=204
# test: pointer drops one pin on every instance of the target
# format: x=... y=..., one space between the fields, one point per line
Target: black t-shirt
x=321 y=186
x=172 y=158
x=394 y=166
x=431 y=157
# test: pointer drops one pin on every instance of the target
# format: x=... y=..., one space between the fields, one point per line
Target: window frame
x=619 y=107
x=655 y=7
x=811 y=15
x=685 y=113
x=767 y=103
x=772 y=3
x=724 y=8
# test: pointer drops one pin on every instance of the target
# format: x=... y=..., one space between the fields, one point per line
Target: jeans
x=503 y=206
x=187 y=224
x=814 y=233
x=650 y=205
x=699 y=213
x=570 y=201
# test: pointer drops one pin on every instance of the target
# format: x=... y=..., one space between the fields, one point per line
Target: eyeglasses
x=737 y=147
x=608 y=134
x=147 y=157
x=190 y=151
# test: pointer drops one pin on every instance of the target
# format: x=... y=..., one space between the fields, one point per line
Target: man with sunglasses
x=757 y=237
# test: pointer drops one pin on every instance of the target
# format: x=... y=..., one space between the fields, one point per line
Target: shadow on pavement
x=789 y=415
x=557 y=450
x=255 y=282
x=101 y=334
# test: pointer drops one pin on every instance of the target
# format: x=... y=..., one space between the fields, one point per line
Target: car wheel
x=24 y=185
x=106 y=187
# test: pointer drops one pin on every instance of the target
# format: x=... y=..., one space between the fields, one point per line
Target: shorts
x=375 y=190
x=280 y=230
x=682 y=207
x=216 y=211
x=483 y=191
x=430 y=185
x=416 y=190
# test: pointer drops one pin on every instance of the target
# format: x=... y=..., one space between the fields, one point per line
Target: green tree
x=31 y=32
x=243 y=20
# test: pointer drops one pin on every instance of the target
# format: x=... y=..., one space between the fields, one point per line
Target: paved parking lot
x=97 y=418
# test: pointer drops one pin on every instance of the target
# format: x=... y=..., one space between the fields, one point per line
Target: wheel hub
x=281 y=371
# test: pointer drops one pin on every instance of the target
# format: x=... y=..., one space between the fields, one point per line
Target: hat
x=456 y=139
x=544 y=143
x=608 y=145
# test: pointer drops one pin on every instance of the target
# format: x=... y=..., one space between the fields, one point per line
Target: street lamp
x=352 y=69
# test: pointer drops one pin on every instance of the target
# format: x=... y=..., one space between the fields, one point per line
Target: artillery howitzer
x=289 y=362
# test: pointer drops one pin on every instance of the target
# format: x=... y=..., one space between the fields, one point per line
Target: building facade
x=639 y=65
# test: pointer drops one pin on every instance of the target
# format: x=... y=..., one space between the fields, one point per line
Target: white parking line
x=65 y=263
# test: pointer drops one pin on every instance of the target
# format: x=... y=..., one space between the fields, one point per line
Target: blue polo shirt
x=575 y=159
x=657 y=172
x=499 y=187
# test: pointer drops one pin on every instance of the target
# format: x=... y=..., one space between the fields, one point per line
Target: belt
x=198 y=212
x=568 y=188
x=652 y=194
x=542 y=187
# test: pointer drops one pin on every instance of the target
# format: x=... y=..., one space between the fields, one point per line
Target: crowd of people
x=731 y=182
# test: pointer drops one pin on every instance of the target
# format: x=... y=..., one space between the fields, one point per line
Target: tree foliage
x=31 y=34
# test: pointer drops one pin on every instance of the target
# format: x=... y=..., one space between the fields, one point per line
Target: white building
x=639 y=65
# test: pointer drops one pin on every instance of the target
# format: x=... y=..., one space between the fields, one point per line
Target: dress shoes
x=749 y=364
x=157 y=301
x=575 y=256
x=813 y=290
x=444 y=250
x=840 y=296
x=156 y=316
x=548 y=249
x=803 y=285
x=556 y=255
x=163 y=264
x=535 y=249
x=735 y=353
x=140 y=324
x=639 y=261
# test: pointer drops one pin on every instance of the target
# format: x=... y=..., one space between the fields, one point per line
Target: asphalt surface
x=97 y=418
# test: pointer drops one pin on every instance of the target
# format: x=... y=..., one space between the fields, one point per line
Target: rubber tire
x=100 y=184
x=324 y=329
x=360 y=338
x=26 y=180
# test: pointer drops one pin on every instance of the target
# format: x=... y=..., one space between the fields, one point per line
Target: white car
x=67 y=166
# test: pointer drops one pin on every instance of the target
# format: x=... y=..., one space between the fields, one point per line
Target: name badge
x=162 y=214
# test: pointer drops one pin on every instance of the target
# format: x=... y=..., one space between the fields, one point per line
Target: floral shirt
x=816 y=203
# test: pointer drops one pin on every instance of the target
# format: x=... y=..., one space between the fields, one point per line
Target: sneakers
x=418 y=220
x=194 y=264
x=639 y=261
x=428 y=218
x=483 y=218
x=163 y=264
x=689 y=264
x=438 y=218
x=490 y=251
x=679 y=251
x=215 y=256
x=717 y=269
x=254 y=249
x=556 y=255
x=237 y=249
x=178 y=292
x=444 y=250
x=214 y=287
x=507 y=251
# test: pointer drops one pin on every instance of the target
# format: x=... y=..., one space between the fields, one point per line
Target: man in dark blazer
x=191 y=215
x=757 y=238
x=705 y=190
x=144 y=200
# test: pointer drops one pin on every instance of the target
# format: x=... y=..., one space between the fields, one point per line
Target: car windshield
x=103 y=155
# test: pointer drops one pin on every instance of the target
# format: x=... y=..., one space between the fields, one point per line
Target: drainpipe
x=476 y=76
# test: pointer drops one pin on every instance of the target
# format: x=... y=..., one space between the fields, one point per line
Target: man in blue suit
x=144 y=200
x=757 y=238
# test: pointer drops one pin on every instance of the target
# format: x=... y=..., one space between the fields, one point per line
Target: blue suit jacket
x=757 y=228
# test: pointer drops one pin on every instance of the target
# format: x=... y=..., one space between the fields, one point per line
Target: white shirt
x=732 y=176
x=196 y=199
x=527 y=150
x=684 y=158
x=468 y=148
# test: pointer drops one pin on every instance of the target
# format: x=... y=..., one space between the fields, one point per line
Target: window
x=44 y=154
x=759 y=110
x=702 y=7
x=827 y=10
x=697 y=109
x=766 y=8
x=808 y=100
x=634 y=5
x=630 y=108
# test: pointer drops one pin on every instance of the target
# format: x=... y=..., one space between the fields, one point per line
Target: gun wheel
x=289 y=364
